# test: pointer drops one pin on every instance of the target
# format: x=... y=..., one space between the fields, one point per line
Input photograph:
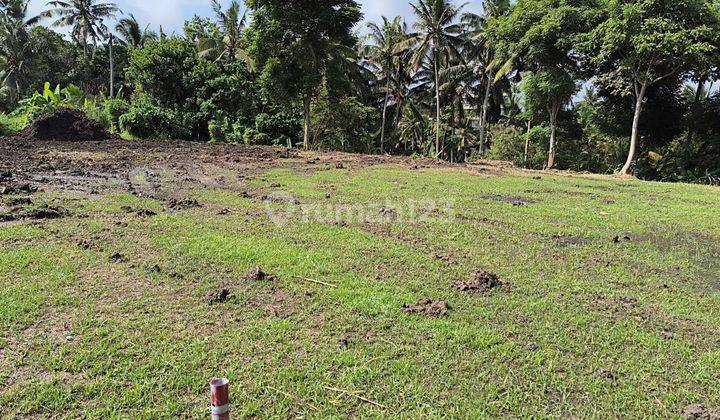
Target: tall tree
x=482 y=57
x=640 y=43
x=231 y=24
x=295 y=42
x=538 y=36
x=86 y=17
x=132 y=34
x=382 y=51
x=437 y=39
x=14 y=44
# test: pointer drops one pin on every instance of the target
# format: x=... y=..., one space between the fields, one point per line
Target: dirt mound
x=699 y=411
x=430 y=308
x=479 y=282
x=64 y=124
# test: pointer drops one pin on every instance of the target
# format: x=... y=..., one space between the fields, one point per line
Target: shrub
x=508 y=143
x=250 y=135
x=113 y=110
x=217 y=131
x=144 y=120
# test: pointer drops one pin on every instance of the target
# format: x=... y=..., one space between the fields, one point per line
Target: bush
x=144 y=120
x=11 y=123
x=113 y=109
x=508 y=143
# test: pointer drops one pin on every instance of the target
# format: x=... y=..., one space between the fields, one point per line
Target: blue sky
x=172 y=13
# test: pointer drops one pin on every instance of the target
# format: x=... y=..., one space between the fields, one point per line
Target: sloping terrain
x=341 y=285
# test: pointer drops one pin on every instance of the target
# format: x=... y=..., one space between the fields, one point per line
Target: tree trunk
x=384 y=115
x=437 y=103
x=634 y=136
x=306 y=111
x=483 y=117
x=112 y=68
x=553 y=130
x=527 y=142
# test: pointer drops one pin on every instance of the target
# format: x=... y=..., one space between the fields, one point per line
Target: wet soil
x=159 y=169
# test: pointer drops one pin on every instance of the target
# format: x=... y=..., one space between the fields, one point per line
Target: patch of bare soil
x=427 y=307
x=257 y=274
x=64 y=124
x=479 y=282
x=43 y=212
x=700 y=412
x=515 y=201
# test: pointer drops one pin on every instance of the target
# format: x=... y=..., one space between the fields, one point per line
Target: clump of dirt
x=20 y=201
x=5 y=176
x=387 y=213
x=622 y=238
x=116 y=257
x=64 y=124
x=41 y=213
x=174 y=204
x=700 y=412
x=479 y=282
x=47 y=212
x=17 y=189
x=139 y=212
x=217 y=296
x=430 y=308
x=563 y=240
x=257 y=274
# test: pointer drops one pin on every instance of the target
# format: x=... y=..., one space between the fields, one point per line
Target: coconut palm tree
x=231 y=23
x=131 y=34
x=437 y=39
x=85 y=17
x=14 y=44
x=481 y=55
x=382 y=52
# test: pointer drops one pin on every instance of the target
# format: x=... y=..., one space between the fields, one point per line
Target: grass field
x=583 y=325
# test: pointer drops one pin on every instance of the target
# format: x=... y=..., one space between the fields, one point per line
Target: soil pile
x=479 y=282
x=430 y=308
x=64 y=124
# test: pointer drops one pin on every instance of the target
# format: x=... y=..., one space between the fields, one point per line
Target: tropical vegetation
x=607 y=86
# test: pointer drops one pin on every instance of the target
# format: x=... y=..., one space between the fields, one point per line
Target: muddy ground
x=161 y=169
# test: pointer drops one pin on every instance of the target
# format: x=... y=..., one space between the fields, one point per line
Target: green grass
x=86 y=337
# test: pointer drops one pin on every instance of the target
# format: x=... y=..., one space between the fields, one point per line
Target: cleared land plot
x=124 y=286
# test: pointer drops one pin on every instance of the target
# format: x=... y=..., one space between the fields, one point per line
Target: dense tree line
x=595 y=85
